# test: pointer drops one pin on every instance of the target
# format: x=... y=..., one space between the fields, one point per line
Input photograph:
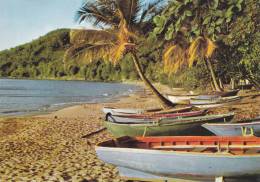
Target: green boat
x=167 y=127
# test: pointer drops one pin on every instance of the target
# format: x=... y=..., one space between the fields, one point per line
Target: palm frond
x=200 y=48
x=98 y=12
x=87 y=53
x=210 y=48
x=78 y=36
x=89 y=45
x=196 y=50
x=129 y=9
x=174 y=57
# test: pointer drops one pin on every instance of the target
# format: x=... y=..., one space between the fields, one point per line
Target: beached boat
x=226 y=93
x=207 y=106
x=113 y=110
x=127 y=111
x=244 y=127
x=201 y=103
x=165 y=115
x=217 y=100
x=200 y=99
x=200 y=158
x=177 y=126
x=180 y=98
x=143 y=118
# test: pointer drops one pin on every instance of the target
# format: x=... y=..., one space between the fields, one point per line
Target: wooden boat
x=143 y=118
x=128 y=111
x=207 y=106
x=177 y=126
x=113 y=110
x=180 y=98
x=201 y=99
x=214 y=102
x=165 y=115
x=244 y=127
x=200 y=158
x=226 y=93
x=207 y=97
x=217 y=100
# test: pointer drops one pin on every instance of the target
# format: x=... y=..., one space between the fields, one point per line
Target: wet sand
x=58 y=147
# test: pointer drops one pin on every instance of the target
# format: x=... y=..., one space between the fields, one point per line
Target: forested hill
x=42 y=59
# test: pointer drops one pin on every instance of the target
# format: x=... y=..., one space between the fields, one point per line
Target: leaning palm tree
x=181 y=53
x=122 y=20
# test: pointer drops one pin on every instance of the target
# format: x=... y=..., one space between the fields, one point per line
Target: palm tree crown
x=124 y=21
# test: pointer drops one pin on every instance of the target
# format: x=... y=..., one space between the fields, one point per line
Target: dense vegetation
x=42 y=59
x=232 y=25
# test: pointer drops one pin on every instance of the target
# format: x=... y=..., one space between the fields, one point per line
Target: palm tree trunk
x=221 y=84
x=212 y=85
x=166 y=104
x=213 y=75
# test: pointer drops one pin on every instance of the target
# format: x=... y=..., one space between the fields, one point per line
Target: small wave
x=13 y=88
x=67 y=103
x=17 y=111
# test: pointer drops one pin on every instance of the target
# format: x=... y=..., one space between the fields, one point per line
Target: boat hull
x=112 y=110
x=227 y=93
x=169 y=164
x=233 y=129
x=125 y=111
x=219 y=100
x=183 y=126
x=180 y=98
x=146 y=118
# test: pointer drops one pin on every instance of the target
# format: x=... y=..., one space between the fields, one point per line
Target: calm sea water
x=19 y=97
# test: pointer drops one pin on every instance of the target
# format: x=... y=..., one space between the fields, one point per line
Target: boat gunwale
x=100 y=146
x=174 y=121
x=171 y=152
x=223 y=100
x=233 y=124
x=167 y=115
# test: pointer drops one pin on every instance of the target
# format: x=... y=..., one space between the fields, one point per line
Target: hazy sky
x=24 y=20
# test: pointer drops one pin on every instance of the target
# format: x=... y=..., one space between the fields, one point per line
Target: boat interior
x=233 y=145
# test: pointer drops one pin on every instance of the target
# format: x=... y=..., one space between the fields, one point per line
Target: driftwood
x=94 y=132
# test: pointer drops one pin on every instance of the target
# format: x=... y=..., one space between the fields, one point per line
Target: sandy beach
x=60 y=146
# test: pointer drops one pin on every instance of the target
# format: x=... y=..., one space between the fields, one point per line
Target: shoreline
x=54 y=146
x=52 y=107
x=51 y=146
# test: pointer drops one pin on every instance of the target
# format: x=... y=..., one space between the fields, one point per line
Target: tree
x=124 y=21
x=192 y=28
x=244 y=43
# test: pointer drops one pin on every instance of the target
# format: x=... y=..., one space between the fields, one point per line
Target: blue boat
x=237 y=128
x=202 y=158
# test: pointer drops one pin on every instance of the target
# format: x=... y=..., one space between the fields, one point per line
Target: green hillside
x=42 y=59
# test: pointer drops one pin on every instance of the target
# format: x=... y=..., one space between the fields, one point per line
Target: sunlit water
x=19 y=97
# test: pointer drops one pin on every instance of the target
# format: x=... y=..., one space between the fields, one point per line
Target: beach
x=60 y=146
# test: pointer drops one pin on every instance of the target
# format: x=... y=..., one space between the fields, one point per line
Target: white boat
x=202 y=158
x=180 y=98
x=114 y=111
x=211 y=103
x=127 y=111
x=251 y=127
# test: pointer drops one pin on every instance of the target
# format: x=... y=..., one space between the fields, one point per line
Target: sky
x=22 y=21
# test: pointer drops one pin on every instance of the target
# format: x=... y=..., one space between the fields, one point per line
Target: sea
x=22 y=97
